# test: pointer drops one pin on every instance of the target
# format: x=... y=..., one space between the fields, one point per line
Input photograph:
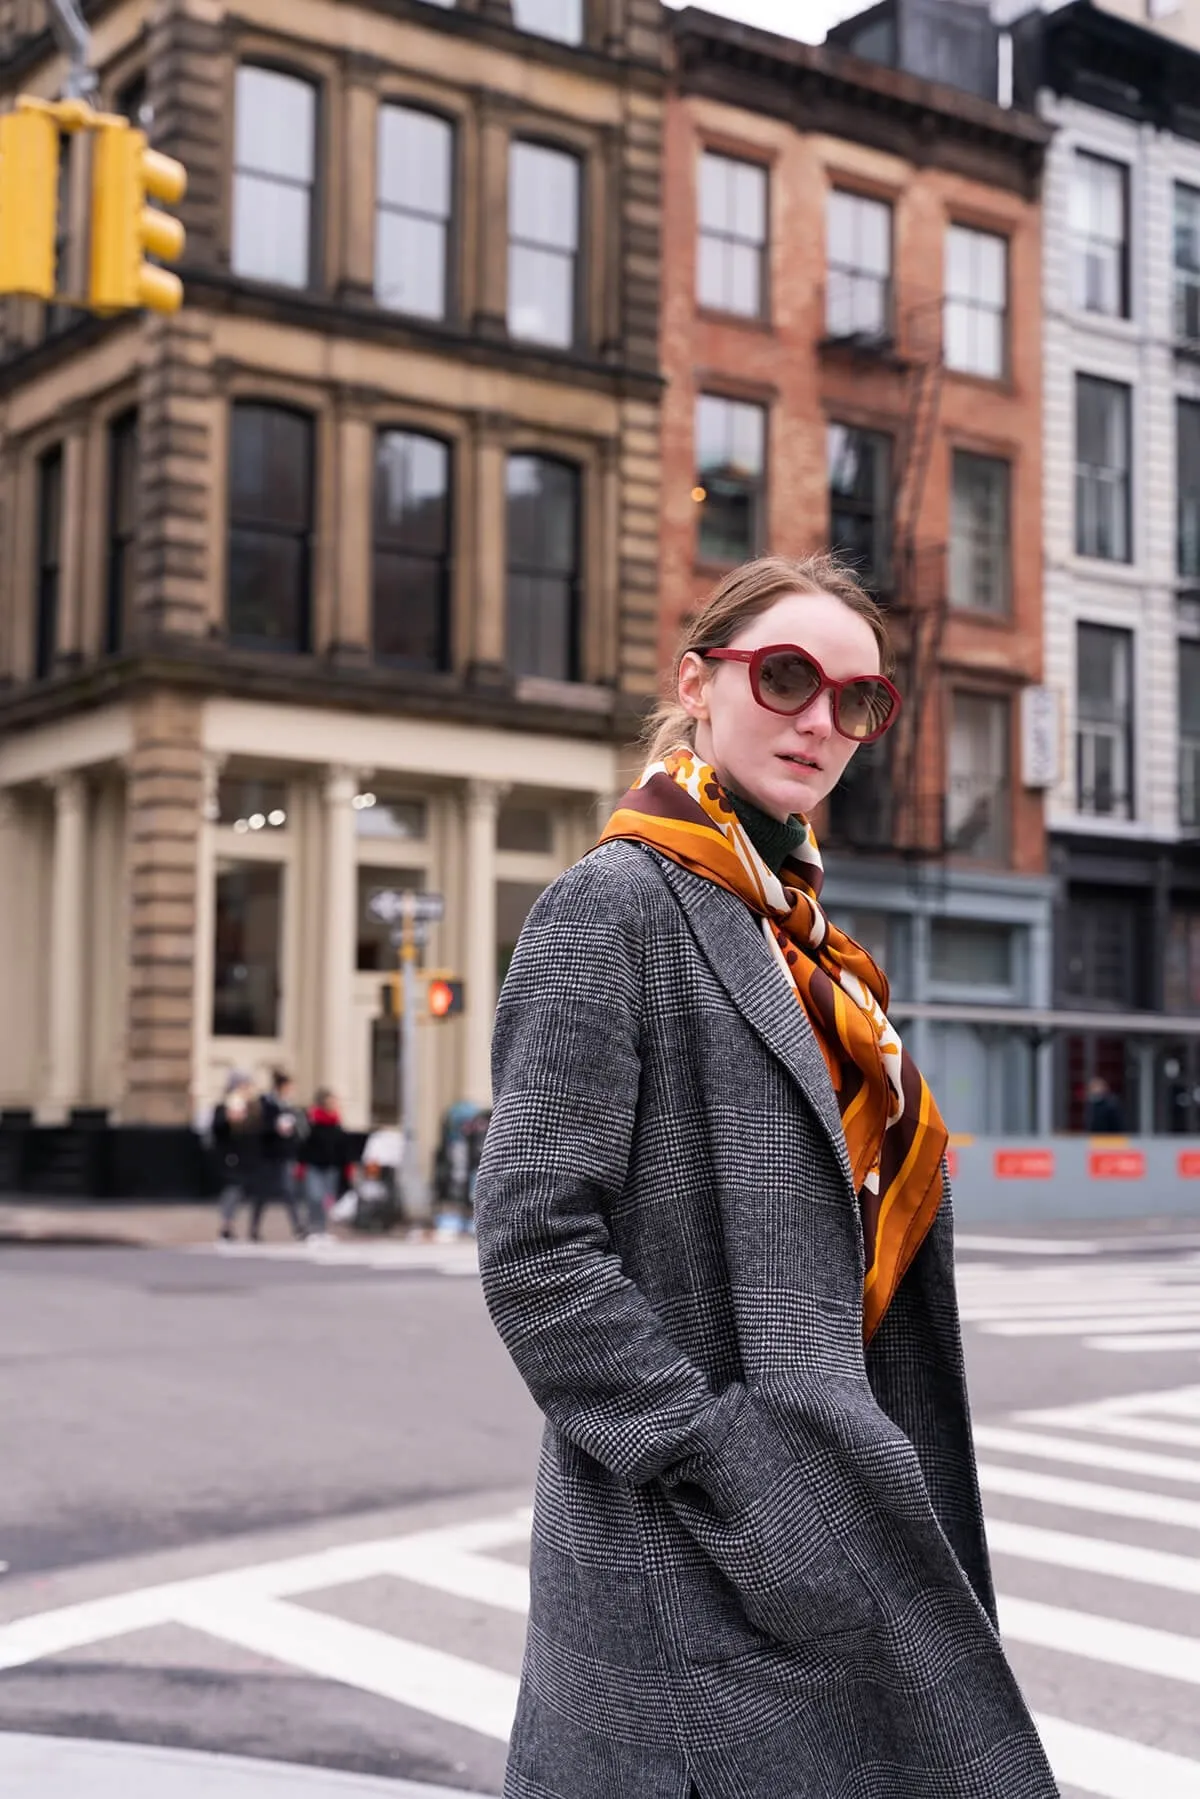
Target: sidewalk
x=170 y=1225
x=37 y=1767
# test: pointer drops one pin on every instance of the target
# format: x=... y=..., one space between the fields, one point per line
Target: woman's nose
x=817 y=720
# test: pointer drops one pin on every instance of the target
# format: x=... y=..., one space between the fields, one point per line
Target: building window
x=1189 y=733
x=1187 y=263
x=414 y=209
x=395 y=820
x=965 y=952
x=1187 y=489
x=1104 y=721
x=543 y=568
x=1103 y=962
x=860 y=501
x=730 y=465
x=979 y=533
x=270 y=528
x=858 y=300
x=1099 y=235
x=248 y=804
x=527 y=829
x=976 y=301
x=543 y=244
x=1102 y=468
x=561 y=20
x=411 y=609
x=248 y=935
x=49 y=561
x=977 y=778
x=274 y=161
x=1182 y=971
x=731 y=249
x=122 y=528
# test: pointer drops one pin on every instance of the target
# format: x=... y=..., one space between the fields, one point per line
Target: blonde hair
x=741 y=596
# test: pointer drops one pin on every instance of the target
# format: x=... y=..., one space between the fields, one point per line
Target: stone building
x=1122 y=452
x=344 y=578
x=852 y=344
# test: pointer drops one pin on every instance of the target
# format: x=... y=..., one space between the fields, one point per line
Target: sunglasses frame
x=756 y=658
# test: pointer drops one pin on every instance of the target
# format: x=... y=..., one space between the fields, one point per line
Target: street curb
x=47 y=1767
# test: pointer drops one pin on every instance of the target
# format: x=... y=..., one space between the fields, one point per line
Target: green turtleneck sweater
x=774 y=840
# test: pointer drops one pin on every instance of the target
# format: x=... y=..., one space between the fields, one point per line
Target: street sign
x=393 y=905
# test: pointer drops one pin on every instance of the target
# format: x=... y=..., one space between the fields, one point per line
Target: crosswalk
x=1094 y=1524
x=1127 y=1305
x=454 y=1256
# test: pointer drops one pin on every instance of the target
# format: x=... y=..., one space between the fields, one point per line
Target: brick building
x=346 y=576
x=851 y=336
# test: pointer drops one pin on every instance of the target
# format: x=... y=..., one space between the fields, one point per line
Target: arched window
x=414 y=212
x=543 y=567
x=274 y=164
x=270 y=527
x=544 y=205
x=411 y=574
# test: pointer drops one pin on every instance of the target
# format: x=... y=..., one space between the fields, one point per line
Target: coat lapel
x=733 y=944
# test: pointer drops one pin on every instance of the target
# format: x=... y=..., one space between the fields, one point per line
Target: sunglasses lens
x=864 y=707
x=787 y=681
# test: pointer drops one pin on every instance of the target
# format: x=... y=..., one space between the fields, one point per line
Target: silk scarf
x=895 y=1137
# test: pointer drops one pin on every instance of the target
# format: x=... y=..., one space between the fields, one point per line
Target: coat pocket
x=770 y=1566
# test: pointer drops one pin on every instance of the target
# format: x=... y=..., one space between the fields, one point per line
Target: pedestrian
x=1102 y=1112
x=323 y=1159
x=283 y=1128
x=235 y=1133
x=715 y=1234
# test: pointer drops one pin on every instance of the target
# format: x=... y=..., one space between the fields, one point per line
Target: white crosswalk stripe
x=455 y=1256
x=1121 y=1306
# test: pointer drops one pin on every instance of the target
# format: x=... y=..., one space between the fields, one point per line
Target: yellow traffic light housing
x=124 y=229
x=28 y=201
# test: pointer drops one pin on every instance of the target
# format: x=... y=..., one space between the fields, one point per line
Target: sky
x=808 y=19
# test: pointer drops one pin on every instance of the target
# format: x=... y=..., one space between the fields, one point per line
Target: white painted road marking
x=1087 y=1455
x=1095 y=1555
x=1140 y=1647
x=1112 y=1767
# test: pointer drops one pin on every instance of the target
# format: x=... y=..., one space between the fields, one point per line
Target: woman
x=715 y=1235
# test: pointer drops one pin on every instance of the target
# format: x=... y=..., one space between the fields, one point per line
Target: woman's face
x=782 y=765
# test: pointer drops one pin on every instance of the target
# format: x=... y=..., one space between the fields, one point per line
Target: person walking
x=235 y=1132
x=323 y=1159
x=283 y=1127
x=714 y=1228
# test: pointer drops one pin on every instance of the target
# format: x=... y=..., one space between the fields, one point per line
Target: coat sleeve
x=566 y=1072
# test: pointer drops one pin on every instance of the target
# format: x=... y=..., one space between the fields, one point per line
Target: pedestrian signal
x=445 y=998
x=125 y=230
x=28 y=202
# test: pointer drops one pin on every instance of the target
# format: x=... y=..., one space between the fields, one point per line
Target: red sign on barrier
x=952 y=1163
x=1117 y=1165
x=1024 y=1164
x=1189 y=1164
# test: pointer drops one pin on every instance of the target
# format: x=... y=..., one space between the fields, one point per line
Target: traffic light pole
x=411 y=1190
x=75 y=42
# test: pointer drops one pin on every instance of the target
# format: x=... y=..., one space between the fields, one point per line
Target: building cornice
x=1085 y=54
x=208 y=668
x=820 y=88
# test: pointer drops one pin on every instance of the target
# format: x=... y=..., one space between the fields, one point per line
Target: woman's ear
x=692 y=686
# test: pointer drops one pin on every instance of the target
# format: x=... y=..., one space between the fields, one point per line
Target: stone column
x=488 y=534
x=356 y=252
x=491 y=284
x=74 y=523
x=67 y=923
x=481 y=805
x=340 y=884
x=206 y=871
x=350 y=633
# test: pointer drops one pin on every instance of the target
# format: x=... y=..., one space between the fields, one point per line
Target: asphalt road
x=274 y=1506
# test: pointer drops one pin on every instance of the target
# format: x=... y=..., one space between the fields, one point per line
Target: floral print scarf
x=895 y=1137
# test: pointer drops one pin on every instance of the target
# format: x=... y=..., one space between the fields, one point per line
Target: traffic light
x=28 y=202
x=445 y=998
x=124 y=229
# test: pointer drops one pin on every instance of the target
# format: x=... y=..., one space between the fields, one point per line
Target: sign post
x=408 y=916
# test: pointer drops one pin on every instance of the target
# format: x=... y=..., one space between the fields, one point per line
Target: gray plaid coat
x=758 y=1554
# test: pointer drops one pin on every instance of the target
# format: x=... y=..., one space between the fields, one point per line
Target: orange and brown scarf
x=895 y=1136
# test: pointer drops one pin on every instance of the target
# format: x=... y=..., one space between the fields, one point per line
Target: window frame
x=281 y=872
x=1185 y=275
x=579 y=323
x=304 y=636
x=1187 y=562
x=575 y=581
x=445 y=559
x=304 y=77
x=1118 y=732
x=878 y=577
x=975 y=305
x=761 y=312
x=450 y=224
x=1189 y=740
x=549 y=37
x=1096 y=470
x=119 y=543
x=1080 y=240
x=959 y=457
x=48 y=564
x=855 y=272
x=1000 y=705
x=755 y=486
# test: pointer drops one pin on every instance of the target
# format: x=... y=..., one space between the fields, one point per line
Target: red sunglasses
x=787 y=680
